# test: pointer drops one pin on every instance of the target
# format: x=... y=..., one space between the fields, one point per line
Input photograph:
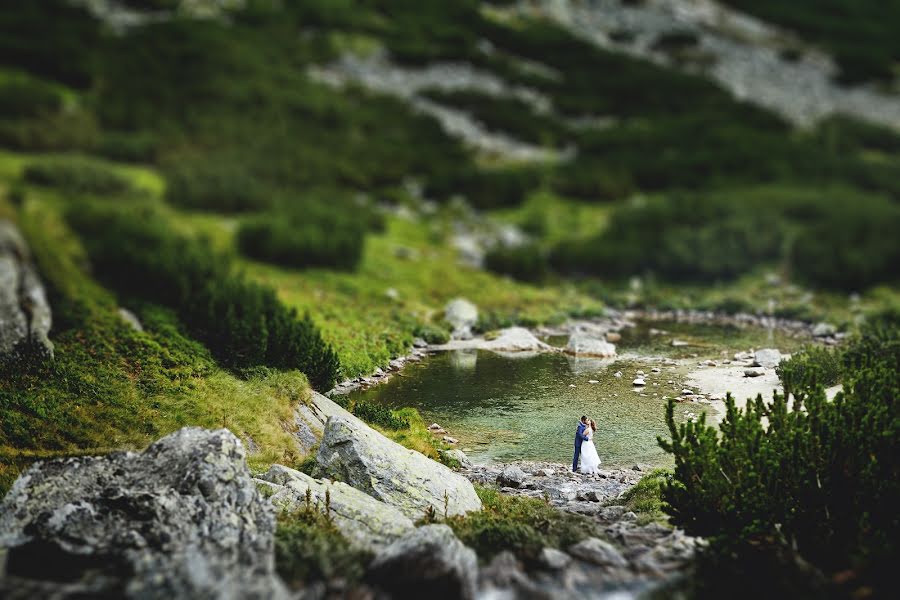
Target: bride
x=590 y=460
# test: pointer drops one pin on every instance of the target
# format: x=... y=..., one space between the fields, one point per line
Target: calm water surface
x=523 y=407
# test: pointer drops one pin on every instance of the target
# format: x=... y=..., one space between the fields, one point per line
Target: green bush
x=521 y=525
x=241 y=322
x=215 y=186
x=378 y=414
x=77 y=175
x=818 y=476
x=28 y=98
x=810 y=368
x=525 y=263
x=320 y=234
x=432 y=334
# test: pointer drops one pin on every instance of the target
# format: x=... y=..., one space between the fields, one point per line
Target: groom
x=579 y=438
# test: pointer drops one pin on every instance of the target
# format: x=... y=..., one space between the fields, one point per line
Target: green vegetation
x=862 y=34
x=241 y=322
x=378 y=414
x=645 y=498
x=77 y=175
x=521 y=525
x=812 y=367
x=815 y=480
x=309 y=547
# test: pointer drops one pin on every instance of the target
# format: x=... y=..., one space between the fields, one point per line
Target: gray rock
x=353 y=452
x=554 y=559
x=515 y=339
x=755 y=372
x=25 y=317
x=512 y=476
x=767 y=358
x=583 y=345
x=130 y=318
x=430 y=562
x=310 y=419
x=824 y=330
x=459 y=456
x=639 y=382
x=599 y=552
x=183 y=519
x=462 y=316
x=366 y=522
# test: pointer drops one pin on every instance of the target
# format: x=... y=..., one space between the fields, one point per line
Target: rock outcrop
x=584 y=345
x=364 y=521
x=310 y=419
x=462 y=316
x=356 y=454
x=25 y=318
x=183 y=519
x=430 y=562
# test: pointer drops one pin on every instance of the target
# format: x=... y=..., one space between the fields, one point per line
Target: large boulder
x=310 y=419
x=462 y=316
x=183 y=519
x=25 y=318
x=584 y=345
x=365 y=521
x=430 y=562
x=598 y=552
x=515 y=339
x=354 y=453
x=767 y=358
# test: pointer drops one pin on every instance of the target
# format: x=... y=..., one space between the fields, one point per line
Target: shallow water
x=522 y=407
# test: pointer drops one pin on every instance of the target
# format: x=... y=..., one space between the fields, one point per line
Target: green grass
x=645 y=498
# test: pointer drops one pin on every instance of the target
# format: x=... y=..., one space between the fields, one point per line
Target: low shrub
x=819 y=478
x=645 y=498
x=28 y=98
x=432 y=334
x=309 y=547
x=378 y=414
x=223 y=186
x=326 y=235
x=77 y=175
x=241 y=322
x=810 y=368
x=525 y=263
x=521 y=525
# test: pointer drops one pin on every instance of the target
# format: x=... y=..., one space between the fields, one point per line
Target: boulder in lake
x=356 y=454
x=366 y=522
x=25 y=317
x=767 y=358
x=462 y=316
x=182 y=519
x=584 y=345
x=515 y=339
x=430 y=562
x=512 y=476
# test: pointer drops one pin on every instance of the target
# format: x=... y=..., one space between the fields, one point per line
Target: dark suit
x=579 y=438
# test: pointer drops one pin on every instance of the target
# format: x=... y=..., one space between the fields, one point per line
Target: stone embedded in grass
x=353 y=452
x=638 y=382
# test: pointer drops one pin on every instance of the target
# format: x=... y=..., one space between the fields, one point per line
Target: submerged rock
x=353 y=452
x=583 y=345
x=430 y=562
x=183 y=519
x=366 y=522
x=25 y=317
x=462 y=316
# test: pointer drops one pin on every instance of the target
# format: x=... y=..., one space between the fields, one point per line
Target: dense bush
x=819 y=476
x=810 y=368
x=486 y=189
x=241 y=322
x=525 y=263
x=77 y=175
x=28 y=98
x=215 y=186
x=314 y=234
x=517 y=524
x=432 y=334
x=379 y=414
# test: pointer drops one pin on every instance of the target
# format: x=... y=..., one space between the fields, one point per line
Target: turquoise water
x=521 y=407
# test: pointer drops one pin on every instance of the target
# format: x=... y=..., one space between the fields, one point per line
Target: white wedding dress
x=590 y=460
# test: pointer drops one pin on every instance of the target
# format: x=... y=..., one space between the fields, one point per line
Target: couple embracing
x=585 y=449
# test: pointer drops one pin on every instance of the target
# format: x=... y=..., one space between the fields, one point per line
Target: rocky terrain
x=25 y=317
